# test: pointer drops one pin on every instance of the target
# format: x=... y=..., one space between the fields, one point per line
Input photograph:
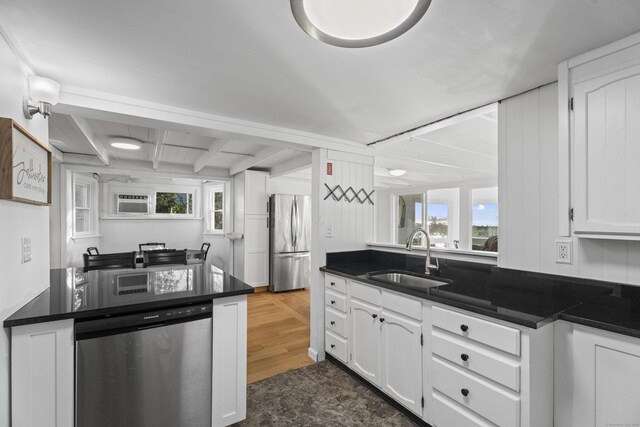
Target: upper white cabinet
x=600 y=93
x=606 y=372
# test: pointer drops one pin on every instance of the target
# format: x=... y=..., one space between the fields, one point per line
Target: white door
x=365 y=340
x=401 y=360
x=606 y=379
x=606 y=135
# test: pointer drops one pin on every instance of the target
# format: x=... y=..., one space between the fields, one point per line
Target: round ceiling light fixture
x=357 y=23
x=397 y=172
x=125 y=143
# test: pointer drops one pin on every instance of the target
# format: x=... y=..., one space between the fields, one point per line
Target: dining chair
x=93 y=250
x=113 y=260
x=203 y=251
x=152 y=246
x=163 y=257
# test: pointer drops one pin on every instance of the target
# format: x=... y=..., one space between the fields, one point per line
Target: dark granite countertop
x=75 y=294
x=521 y=297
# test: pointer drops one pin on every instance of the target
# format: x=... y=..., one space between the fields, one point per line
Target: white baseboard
x=313 y=354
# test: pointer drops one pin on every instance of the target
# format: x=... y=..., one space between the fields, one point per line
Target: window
x=174 y=203
x=409 y=216
x=215 y=209
x=484 y=225
x=438 y=219
x=84 y=205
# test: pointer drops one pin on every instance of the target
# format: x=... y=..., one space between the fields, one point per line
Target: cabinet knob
x=374 y=315
x=381 y=319
x=464 y=357
x=464 y=328
x=333 y=283
x=464 y=392
x=333 y=301
x=333 y=323
x=334 y=346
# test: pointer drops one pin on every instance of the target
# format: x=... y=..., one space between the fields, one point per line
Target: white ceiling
x=249 y=60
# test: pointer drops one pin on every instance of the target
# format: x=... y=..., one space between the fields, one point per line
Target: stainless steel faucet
x=427 y=265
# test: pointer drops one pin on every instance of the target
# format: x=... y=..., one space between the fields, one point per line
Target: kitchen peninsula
x=45 y=333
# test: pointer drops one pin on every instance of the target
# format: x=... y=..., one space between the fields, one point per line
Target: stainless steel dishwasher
x=145 y=369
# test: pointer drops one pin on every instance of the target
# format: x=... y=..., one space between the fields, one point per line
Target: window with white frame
x=174 y=203
x=85 y=206
x=215 y=208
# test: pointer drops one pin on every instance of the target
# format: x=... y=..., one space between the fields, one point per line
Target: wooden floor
x=278 y=333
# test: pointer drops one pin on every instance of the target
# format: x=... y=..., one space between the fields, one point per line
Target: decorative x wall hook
x=349 y=194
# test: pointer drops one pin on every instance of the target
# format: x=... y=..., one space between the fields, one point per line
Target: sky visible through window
x=485 y=214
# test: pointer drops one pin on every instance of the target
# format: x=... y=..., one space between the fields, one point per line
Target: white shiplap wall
x=529 y=200
x=351 y=224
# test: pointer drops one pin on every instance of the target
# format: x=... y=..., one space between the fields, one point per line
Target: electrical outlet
x=564 y=252
x=26 y=249
x=329 y=231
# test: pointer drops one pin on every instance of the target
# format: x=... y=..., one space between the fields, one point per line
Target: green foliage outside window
x=174 y=203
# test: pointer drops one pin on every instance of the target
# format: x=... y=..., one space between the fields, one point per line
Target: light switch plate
x=26 y=249
x=564 y=252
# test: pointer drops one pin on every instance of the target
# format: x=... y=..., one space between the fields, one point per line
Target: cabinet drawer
x=401 y=304
x=488 y=333
x=335 y=321
x=446 y=413
x=335 y=300
x=476 y=359
x=338 y=284
x=488 y=401
x=335 y=346
x=365 y=293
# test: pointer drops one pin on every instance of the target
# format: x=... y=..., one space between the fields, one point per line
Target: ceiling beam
x=86 y=131
x=161 y=138
x=294 y=165
x=206 y=157
x=261 y=156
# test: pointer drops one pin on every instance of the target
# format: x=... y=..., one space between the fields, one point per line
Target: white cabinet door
x=606 y=388
x=42 y=372
x=255 y=193
x=365 y=341
x=607 y=153
x=229 y=390
x=256 y=250
x=401 y=360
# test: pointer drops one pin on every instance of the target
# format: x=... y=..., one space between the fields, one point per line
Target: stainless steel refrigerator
x=289 y=242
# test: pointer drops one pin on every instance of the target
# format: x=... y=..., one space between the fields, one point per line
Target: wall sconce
x=43 y=94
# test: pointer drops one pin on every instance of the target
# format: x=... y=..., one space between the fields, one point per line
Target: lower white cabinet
x=606 y=378
x=401 y=359
x=229 y=389
x=386 y=344
x=42 y=373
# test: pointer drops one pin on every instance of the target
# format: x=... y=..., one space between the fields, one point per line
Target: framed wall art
x=25 y=166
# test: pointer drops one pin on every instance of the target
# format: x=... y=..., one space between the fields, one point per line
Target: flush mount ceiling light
x=43 y=94
x=397 y=172
x=125 y=143
x=357 y=23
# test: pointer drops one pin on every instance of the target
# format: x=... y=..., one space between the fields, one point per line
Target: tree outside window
x=174 y=203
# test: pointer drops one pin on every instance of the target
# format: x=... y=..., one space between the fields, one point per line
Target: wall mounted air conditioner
x=132 y=204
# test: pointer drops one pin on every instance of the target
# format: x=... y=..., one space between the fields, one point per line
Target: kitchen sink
x=408 y=279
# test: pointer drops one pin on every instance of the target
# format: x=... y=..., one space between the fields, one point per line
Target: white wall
x=528 y=189
x=287 y=185
x=351 y=224
x=19 y=282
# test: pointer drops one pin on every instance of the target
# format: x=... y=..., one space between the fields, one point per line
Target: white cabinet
x=251 y=218
x=601 y=95
x=335 y=318
x=484 y=372
x=606 y=372
x=42 y=372
x=401 y=360
x=386 y=342
x=229 y=389
x=365 y=340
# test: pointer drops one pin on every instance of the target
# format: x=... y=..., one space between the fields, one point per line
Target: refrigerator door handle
x=295 y=207
x=296 y=255
x=293 y=241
